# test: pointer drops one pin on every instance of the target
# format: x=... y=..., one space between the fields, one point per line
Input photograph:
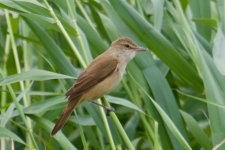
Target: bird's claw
x=109 y=109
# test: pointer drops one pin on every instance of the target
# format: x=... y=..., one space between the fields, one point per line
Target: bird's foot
x=108 y=110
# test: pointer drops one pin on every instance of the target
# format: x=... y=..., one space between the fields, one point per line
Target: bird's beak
x=140 y=49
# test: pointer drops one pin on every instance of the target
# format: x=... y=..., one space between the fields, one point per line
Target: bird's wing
x=91 y=77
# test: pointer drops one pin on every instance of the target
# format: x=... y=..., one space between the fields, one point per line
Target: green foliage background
x=171 y=97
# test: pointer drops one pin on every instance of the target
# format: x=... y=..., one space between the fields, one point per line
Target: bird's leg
x=105 y=107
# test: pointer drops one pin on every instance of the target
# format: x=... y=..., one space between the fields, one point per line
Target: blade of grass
x=119 y=127
x=4 y=132
x=22 y=115
x=196 y=131
x=33 y=74
x=169 y=123
x=201 y=9
x=47 y=126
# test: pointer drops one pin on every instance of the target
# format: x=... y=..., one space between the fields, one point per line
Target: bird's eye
x=127 y=46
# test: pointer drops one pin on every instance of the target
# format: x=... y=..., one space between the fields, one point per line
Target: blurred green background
x=171 y=97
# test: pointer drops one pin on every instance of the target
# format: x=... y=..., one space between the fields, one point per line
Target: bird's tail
x=65 y=115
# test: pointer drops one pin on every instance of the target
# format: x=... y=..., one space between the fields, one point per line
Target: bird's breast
x=103 y=87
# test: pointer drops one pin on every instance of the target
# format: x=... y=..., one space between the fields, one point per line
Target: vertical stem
x=69 y=40
x=72 y=16
x=16 y=57
x=18 y=68
x=3 y=93
x=84 y=141
x=122 y=132
x=26 y=55
x=20 y=111
x=147 y=124
x=102 y=113
x=119 y=127
x=84 y=13
x=135 y=98
x=100 y=137
x=5 y=58
x=26 y=68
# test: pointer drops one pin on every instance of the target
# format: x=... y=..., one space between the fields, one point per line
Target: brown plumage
x=100 y=77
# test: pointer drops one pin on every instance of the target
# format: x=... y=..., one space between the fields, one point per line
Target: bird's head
x=125 y=47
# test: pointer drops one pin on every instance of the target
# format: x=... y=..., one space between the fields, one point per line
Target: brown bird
x=100 y=77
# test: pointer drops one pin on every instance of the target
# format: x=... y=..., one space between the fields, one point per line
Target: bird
x=100 y=77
